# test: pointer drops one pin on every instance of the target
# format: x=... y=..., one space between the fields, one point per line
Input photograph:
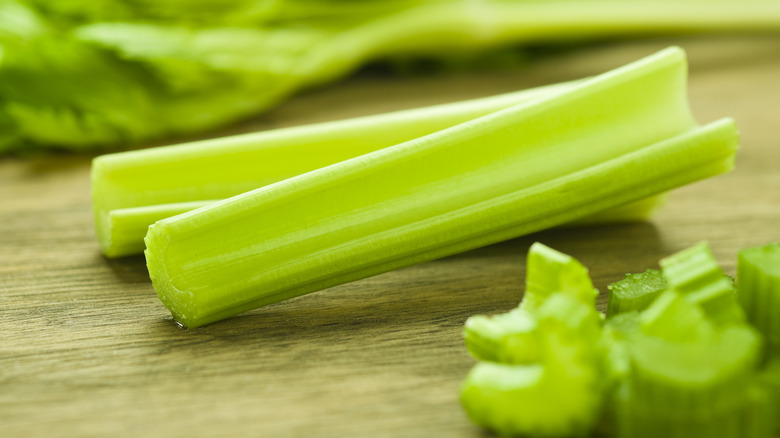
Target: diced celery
x=511 y=337
x=694 y=273
x=559 y=396
x=675 y=319
x=635 y=292
x=691 y=389
x=505 y=338
x=550 y=271
x=758 y=289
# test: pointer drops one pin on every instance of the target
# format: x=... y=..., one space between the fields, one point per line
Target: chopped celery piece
x=694 y=273
x=609 y=140
x=684 y=389
x=526 y=399
x=770 y=377
x=550 y=271
x=506 y=338
x=171 y=180
x=635 y=292
x=758 y=289
x=675 y=319
x=674 y=369
x=511 y=337
x=614 y=345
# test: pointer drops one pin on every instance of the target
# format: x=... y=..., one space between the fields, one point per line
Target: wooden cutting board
x=87 y=350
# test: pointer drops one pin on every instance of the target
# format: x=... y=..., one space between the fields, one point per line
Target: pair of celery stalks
x=676 y=357
x=345 y=200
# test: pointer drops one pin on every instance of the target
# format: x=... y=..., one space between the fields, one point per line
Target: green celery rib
x=610 y=140
x=758 y=289
x=133 y=190
x=172 y=180
x=694 y=273
x=124 y=228
x=635 y=292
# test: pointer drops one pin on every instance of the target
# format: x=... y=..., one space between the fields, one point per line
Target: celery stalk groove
x=607 y=141
x=132 y=190
x=171 y=180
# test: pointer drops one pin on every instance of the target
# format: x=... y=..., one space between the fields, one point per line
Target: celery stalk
x=758 y=287
x=171 y=180
x=607 y=141
x=132 y=190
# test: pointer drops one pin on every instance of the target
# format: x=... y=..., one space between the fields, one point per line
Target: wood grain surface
x=87 y=350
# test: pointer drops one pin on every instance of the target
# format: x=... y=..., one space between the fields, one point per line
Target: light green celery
x=770 y=378
x=559 y=396
x=758 y=289
x=675 y=319
x=694 y=273
x=635 y=292
x=685 y=389
x=125 y=228
x=631 y=212
x=174 y=179
x=511 y=337
x=508 y=338
x=132 y=190
x=614 y=345
x=613 y=139
x=550 y=271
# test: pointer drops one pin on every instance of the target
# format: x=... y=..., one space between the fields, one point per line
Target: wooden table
x=87 y=350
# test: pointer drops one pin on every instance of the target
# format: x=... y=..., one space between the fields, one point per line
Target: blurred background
x=99 y=75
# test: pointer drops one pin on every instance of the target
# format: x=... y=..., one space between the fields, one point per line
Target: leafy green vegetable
x=84 y=75
x=460 y=188
x=758 y=286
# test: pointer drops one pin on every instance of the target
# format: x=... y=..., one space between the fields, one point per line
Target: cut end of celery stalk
x=694 y=273
x=505 y=338
x=551 y=271
x=635 y=292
